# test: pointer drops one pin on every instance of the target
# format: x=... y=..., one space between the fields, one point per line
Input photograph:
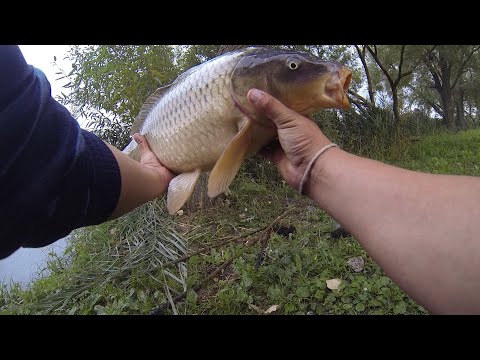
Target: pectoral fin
x=230 y=161
x=180 y=189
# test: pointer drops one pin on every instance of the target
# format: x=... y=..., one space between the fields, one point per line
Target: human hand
x=150 y=161
x=300 y=138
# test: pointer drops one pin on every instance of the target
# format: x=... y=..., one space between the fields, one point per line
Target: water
x=24 y=265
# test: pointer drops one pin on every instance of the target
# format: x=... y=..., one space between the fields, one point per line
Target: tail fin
x=132 y=150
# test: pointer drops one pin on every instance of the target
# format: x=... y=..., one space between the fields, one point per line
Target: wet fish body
x=204 y=122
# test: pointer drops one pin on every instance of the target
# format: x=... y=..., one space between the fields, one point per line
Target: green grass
x=114 y=268
x=120 y=267
x=445 y=153
x=295 y=269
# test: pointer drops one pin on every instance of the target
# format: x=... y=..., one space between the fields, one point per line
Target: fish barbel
x=204 y=122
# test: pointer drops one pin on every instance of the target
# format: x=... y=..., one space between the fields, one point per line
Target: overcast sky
x=41 y=56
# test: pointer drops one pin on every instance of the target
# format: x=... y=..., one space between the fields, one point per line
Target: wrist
x=156 y=182
x=323 y=169
x=311 y=162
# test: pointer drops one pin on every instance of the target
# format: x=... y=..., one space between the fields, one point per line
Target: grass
x=122 y=267
x=118 y=267
x=444 y=153
x=295 y=267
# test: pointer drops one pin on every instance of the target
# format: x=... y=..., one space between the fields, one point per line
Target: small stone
x=356 y=263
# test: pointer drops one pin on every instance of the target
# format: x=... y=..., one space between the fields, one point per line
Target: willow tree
x=447 y=65
x=470 y=86
x=398 y=64
x=368 y=76
x=109 y=84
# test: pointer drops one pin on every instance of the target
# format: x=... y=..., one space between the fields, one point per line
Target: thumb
x=271 y=107
x=142 y=143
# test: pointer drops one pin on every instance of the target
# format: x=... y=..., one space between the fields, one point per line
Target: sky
x=41 y=56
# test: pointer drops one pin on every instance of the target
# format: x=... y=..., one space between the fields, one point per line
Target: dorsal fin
x=147 y=107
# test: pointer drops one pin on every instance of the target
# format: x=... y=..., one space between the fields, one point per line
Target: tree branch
x=362 y=56
x=400 y=65
x=360 y=106
x=380 y=65
x=462 y=66
x=436 y=77
x=361 y=98
x=267 y=232
x=230 y=239
x=414 y=66
x=436 y=107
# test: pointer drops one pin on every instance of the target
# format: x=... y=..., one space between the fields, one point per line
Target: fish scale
x=204 y=122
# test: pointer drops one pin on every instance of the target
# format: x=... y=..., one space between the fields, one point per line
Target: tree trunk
x=446 y=93
x=396 y=112
x=449 y=116
x=460 y=108
x=448 y=108
x=371 y=90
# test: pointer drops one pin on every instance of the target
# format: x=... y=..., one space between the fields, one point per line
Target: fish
x=203 y=121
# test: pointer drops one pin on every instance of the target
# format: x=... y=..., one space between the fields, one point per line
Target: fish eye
x=293 y=64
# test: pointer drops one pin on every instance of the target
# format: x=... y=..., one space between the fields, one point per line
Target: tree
x=397 y=63
x=359 y=101
x=110 y=83
x=447 y=65
x=470 y=83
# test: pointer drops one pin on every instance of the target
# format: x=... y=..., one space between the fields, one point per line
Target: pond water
x=24 y=265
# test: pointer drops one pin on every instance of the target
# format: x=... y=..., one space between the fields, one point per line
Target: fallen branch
x=160 y=309
x=268 y=230
x=232 y=239
x=263 y=248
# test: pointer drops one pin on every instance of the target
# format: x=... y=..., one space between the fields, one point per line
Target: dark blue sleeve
x=54 y=176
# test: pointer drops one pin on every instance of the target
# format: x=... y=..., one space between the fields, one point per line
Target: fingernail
x=254 y=95
x=137 y=138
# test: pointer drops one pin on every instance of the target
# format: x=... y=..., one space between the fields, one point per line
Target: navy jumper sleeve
x=54 y=176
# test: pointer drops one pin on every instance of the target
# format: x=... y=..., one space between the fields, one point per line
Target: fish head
x=301 y=81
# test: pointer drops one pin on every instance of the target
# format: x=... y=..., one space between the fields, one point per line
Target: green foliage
x=110 y=83
x=372 y=134
x=192 y=55
x=114 y=268
x=444 y=153
x=294 y=276
x=444 y=73
x=118 y=267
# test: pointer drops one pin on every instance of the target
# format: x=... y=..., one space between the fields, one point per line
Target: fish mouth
x=336 y=89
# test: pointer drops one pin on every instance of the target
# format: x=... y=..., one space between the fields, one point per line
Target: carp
x=204 y=122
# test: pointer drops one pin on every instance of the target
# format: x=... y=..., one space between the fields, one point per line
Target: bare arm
x=422 y=229
x=141 y=181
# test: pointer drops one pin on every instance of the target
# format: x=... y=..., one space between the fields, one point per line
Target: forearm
x=139 y=184
x=421 y=228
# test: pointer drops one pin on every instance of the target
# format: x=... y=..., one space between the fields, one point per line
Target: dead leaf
x=272 y=309
x=356 y=263
x=256 y=308
x=333 y=284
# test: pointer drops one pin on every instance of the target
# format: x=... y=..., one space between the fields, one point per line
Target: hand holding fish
x=149 y=160
x=149 y=172
x=203 y=122
x=300 y=139
x=407 y=221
